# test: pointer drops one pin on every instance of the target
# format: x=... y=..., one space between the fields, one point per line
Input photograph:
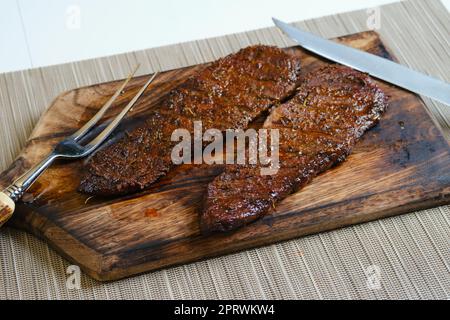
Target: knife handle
x=7 y=207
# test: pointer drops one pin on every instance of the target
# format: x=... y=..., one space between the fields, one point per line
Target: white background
x=36 y=33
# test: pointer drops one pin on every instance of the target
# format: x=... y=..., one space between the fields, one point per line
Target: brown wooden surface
x=399 y=166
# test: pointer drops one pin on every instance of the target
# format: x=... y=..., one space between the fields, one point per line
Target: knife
x=366 y=62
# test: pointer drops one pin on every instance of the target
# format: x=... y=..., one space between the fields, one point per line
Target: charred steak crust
x=228 y=94
x=318 y=128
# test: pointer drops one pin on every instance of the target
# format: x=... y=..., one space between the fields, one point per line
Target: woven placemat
x=406 y=256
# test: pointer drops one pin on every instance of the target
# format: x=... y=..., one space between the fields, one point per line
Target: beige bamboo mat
x=411 y=252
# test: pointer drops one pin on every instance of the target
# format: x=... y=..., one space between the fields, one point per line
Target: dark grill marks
x=228 y=94
x=318 y=128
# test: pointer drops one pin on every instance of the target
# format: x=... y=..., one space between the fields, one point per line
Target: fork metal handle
x=19 y=186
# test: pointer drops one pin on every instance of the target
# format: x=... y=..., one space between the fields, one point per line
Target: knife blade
x=366 y=62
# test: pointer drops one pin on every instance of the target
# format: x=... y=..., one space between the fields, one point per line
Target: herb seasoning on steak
x=318 y=128
x=228 y=94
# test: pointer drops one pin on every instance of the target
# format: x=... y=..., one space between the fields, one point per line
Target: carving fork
x=69 y=148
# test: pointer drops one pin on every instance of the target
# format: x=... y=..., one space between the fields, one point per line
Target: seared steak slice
x=228 y=94
x=318 y=128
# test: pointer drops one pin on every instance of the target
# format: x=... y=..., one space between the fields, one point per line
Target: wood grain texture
x=7 y=207
x=400 y=165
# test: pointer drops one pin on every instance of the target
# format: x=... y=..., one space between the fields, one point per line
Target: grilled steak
x=228 y=94
x=317 y=128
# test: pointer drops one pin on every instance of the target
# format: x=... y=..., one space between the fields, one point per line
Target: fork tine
x=88 y=125
x=94 y=143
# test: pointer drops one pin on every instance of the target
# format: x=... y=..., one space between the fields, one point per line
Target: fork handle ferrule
x=14 y=192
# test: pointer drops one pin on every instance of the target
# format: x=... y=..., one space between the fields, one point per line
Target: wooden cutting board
x=401 y=165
